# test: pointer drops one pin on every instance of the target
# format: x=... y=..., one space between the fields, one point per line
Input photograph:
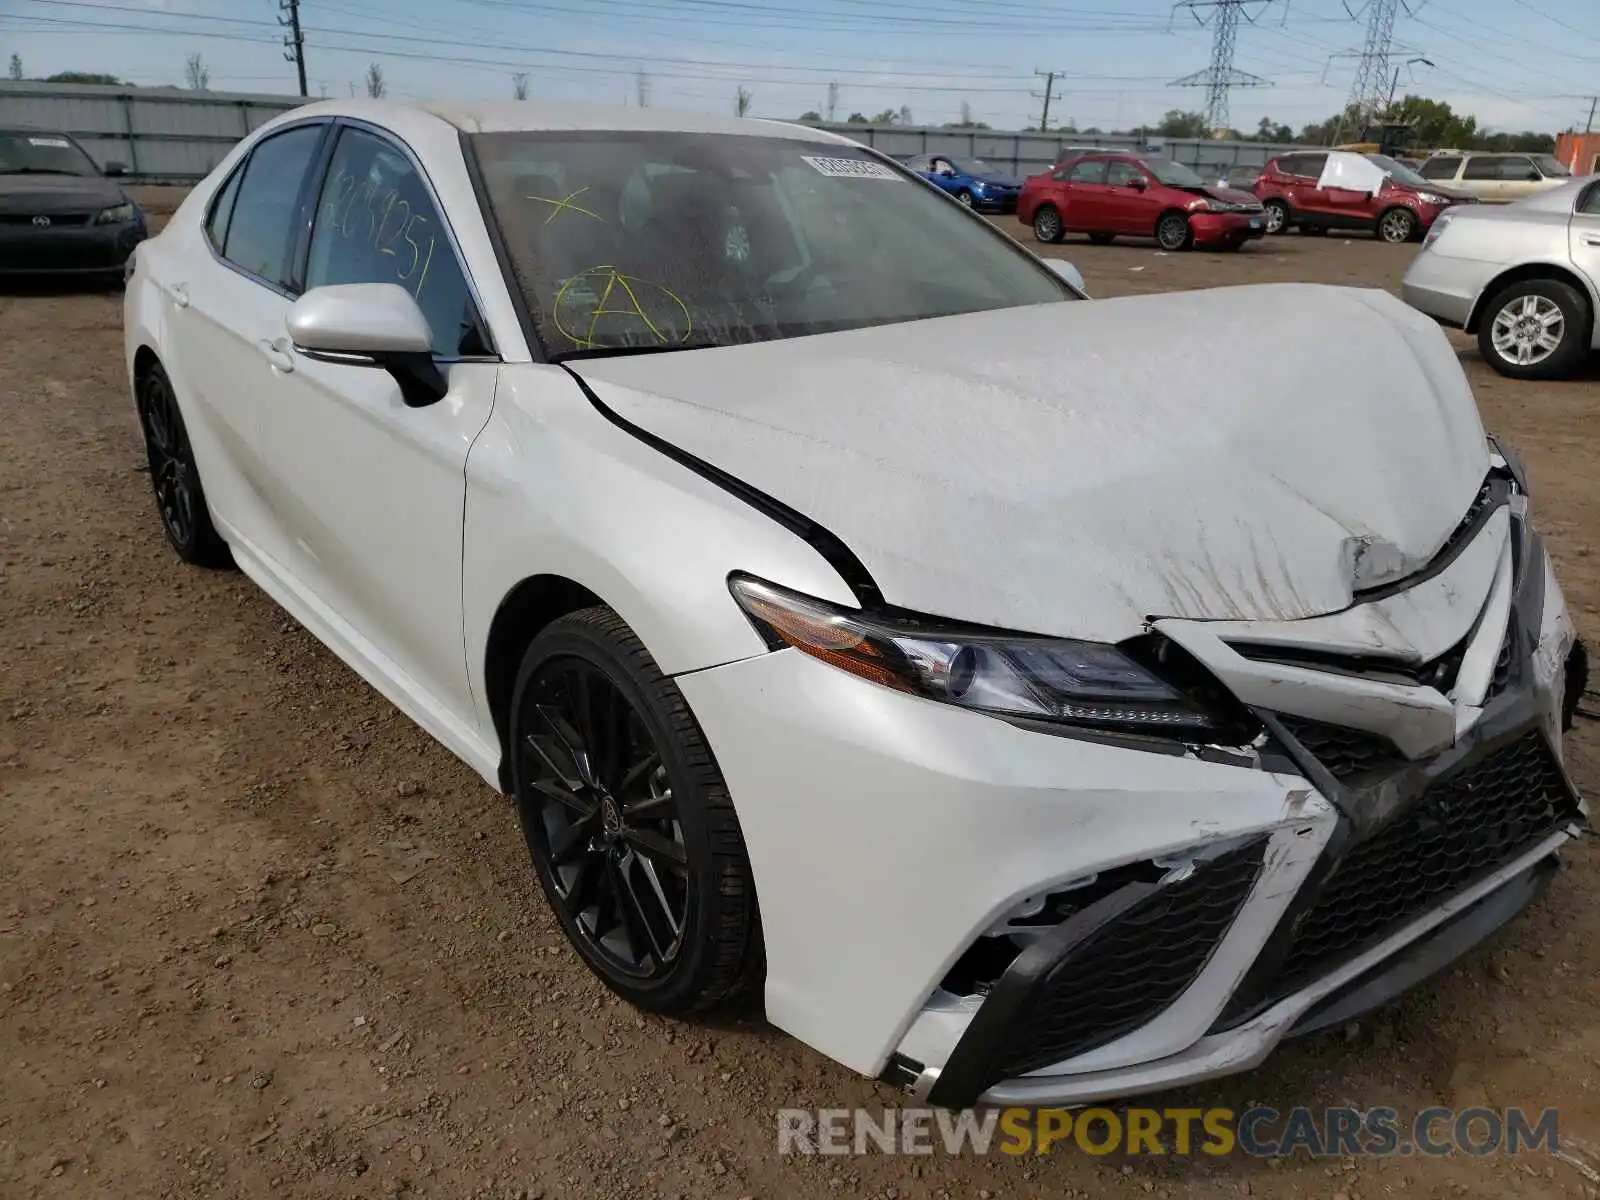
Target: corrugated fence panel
x=162 y=135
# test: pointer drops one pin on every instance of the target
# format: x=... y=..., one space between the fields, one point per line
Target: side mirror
x=1137 y=183
x=370 y=325
x=115 y=169
x=1064 y=270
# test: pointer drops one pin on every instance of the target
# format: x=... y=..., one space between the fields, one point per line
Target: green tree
x=15 y=70
x=741 y=102
x=1434 y=123
x=1176 y=123
x=377 y=89
x=1268 y=130
x=84 y=77
x=855 y=119
x=811 y=115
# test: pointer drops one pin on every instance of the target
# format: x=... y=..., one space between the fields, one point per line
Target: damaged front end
x=1428 y=717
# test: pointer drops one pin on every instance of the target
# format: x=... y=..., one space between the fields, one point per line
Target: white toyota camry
x=854 y=612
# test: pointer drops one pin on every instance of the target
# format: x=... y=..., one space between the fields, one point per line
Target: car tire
x=1173 y=232
x=1397 y=226
x=1509 y=346
x=1102 y=239
x=965 y=197
x=1276 y=216
x=174 y=477
x=640 y=854
x=1047 y=225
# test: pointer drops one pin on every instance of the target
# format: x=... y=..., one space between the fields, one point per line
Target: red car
x=1400 y=212
x=1107 y=195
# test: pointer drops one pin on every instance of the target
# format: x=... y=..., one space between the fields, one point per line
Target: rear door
x=1302 y=172
x=1519 y=177
x=224 y=306
x=1084 y=194
x=1481 y=177
x=1585 y=235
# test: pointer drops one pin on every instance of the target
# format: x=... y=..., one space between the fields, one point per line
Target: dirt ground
x=259 y=936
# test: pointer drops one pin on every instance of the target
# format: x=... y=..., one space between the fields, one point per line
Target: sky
x=1515 y=64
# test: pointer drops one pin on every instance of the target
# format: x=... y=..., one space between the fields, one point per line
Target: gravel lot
x=260 y=937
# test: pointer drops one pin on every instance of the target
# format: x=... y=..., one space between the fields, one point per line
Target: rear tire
x=1047 y=224
x=634 y=837
x=1520 y=323
x=174 y=477
x=1173 y=232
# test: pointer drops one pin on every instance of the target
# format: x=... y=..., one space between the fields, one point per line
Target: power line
x=1220 y=77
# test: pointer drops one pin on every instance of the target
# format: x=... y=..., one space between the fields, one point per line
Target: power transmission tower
x=1047 y=95
x=1369 y=88
x=295 y=43
x=641 y=89
x=833 y=101
x=1220 y=77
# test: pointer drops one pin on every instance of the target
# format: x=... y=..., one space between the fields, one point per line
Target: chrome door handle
x=1591 y=239
x=180 y=295
x=278 y=354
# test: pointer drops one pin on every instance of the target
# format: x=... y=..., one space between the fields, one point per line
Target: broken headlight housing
x=1020 y=676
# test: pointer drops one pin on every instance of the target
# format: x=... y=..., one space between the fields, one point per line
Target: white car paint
x=1067 y=469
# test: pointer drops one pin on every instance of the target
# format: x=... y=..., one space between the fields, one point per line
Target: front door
x=1585 y=245
x=1134 y=208
x=369 y=492
x=1084 y=194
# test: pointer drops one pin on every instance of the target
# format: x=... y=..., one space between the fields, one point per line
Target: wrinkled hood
x=45 y=194
x=1232 y=195
x=1078 y=468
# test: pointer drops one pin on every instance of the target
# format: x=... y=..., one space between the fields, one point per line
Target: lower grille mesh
x=1345 y=753
x=1127 y=972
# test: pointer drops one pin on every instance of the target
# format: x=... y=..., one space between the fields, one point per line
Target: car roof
x=518 y=116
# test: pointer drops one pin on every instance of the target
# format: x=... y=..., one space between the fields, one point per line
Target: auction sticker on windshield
x=48 y=141
x=850 y=168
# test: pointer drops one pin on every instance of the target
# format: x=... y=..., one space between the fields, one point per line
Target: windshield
x=42 y=154
x=1173 y=174
x=1401 y=173
x=641 y=240
x=975 y=166
x=1552 y=167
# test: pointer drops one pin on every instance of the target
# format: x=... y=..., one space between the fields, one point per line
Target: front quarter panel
x=555 y=488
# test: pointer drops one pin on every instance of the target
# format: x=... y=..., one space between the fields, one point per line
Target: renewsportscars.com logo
x=1259 y=1132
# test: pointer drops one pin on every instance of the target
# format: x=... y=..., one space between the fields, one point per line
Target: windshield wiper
x=618 y=351
x=37 y=171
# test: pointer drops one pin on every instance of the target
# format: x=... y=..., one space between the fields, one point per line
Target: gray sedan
x=1525 y=278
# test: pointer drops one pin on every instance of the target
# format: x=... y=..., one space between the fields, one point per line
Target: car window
x=1519 y=170
x=222 y=210
x=1310 y=166
x=1481 y=168
x=1088 y=170
x=1440 y=168
x=1552 y=167
x=377 y=223
x=1589 y=202
x=39 y=152
x=1120 y=174
x=264 y=211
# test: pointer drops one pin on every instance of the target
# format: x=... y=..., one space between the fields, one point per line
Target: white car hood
x=1080 y=468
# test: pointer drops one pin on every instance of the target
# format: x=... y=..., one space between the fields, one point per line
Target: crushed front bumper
x=985 y=913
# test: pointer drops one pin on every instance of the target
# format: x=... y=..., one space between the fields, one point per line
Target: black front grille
x=1460 y=829
x=1129 y=970
x=1344 y=753
x=57 y=220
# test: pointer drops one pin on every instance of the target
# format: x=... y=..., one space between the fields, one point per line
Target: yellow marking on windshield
x=565 y=204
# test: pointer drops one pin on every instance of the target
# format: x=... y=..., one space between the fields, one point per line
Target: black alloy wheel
x=627 y=820
x=1173 y=232
x=180 y=499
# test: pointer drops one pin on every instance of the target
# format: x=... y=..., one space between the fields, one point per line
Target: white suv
x=1495 y=178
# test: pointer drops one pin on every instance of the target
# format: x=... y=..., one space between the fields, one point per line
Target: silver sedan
x=1525 y=278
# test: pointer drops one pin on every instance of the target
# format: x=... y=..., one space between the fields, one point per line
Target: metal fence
x=162 y=135
x=166 y=135
x=1028 y=152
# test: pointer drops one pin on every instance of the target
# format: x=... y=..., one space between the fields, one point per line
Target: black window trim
x=312 y=167
x=1585 y=196
x=302 y=246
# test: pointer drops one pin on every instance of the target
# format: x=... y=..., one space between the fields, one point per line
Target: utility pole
x=1220 y=77
x=295 y=42
x=1047 y=95
x=833 y=101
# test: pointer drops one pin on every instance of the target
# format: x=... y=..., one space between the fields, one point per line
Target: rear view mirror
x=370 y=325
x=1064 y=270
x=1137 y=184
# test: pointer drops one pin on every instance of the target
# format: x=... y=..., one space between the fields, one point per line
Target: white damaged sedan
x=1029 y=717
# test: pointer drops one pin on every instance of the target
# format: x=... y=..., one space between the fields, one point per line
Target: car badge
x=42 y=222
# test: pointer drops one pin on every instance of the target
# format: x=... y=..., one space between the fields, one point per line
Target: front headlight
x=1432 y=198
x=119 y=214
x=1008 y=675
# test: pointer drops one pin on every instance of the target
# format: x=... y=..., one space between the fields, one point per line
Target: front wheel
x=1397 y=226
x=1534 y=329
x=1047 y=225
x=1173 y=232
x=1277 y=216
x=965 y=197
x=628 y=821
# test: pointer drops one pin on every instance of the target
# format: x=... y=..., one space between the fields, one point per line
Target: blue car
x=970 y=180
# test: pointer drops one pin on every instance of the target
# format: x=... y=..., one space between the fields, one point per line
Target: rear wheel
x=180 y=500
x=1276 y=215
x=628 y=821
x=1102 y=239
x=1047 y=224
x=1173 y=232
x=1397 y=226
x=1534 y=329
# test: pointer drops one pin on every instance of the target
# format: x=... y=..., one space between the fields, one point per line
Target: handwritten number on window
x=384 y=234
